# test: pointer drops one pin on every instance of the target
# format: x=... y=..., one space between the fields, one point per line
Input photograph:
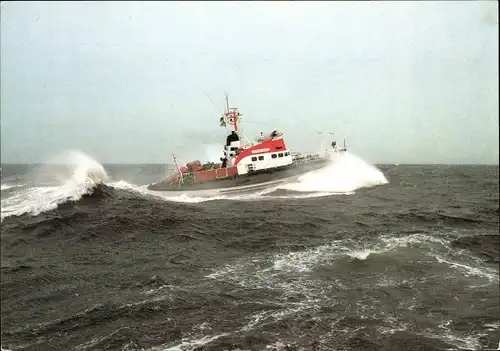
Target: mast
x=227 y=103
x=178 y=169
x=232 y=115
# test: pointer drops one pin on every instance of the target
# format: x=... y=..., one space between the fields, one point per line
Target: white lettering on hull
x=258 y=151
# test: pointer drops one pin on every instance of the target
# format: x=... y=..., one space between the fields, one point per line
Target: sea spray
x=346 y=173
x=73 y=166
x=67 y=177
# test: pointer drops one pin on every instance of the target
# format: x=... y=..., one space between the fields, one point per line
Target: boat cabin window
x=261 y=158
x=273 y=155
x=280 y=154
x=254 y=158
x=287 y=153
x=234 y=149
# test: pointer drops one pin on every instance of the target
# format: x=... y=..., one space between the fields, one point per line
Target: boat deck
x=192 y=181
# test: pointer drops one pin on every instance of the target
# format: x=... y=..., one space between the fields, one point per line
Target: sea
x=353 y=256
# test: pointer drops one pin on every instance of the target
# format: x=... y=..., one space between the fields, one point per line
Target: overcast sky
x=405 y=82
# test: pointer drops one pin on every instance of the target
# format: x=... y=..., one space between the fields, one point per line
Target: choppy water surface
x=350 y=257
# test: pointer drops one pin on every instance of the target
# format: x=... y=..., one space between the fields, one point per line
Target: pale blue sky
x=406 y=82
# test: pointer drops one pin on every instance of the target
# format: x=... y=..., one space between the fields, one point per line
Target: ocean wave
x=10 y=186
x=78 y=176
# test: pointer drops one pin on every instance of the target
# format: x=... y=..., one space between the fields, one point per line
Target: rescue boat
x=245 y=165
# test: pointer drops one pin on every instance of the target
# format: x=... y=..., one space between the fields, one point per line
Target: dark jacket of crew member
x=232 y=137
x=224 y=162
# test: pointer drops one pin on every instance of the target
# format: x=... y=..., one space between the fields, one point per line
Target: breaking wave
x=68 y=177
